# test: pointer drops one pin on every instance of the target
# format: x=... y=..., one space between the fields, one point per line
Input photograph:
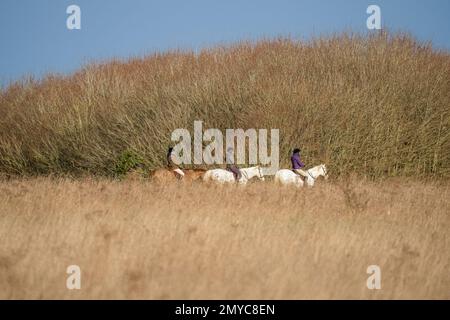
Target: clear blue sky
x=34 y=38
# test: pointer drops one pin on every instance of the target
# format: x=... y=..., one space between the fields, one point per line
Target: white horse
x=288 y=177
x=225 y=176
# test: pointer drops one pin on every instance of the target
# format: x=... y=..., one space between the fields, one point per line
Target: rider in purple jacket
x=231 y=166
x=297 y=163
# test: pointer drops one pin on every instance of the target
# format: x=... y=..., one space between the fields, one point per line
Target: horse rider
x=297 y=164
x=231 y=166
x=172 y=165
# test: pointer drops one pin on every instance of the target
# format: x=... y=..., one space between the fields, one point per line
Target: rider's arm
x=298 y=162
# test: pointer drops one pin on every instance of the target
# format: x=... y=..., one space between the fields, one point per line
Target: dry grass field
x=136 y=239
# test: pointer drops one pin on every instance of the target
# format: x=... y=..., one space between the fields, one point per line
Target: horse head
x=324 y=171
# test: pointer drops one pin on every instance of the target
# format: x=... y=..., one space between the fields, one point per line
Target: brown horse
x=167 y=175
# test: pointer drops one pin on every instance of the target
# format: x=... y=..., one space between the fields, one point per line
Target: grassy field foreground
x=135 y=239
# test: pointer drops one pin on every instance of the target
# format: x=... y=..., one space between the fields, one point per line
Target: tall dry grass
x=377 y=105
x=136 y=239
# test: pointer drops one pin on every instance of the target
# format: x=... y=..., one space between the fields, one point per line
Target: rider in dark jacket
x=172 y=165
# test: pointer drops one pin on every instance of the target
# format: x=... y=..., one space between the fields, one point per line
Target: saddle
x=299 y=175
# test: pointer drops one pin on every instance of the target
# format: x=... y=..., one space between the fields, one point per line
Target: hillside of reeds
x=374 y=105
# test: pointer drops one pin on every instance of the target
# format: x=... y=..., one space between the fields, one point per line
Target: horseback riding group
x=297 y=175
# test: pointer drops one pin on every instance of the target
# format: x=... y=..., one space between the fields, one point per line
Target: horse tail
x=277 y=178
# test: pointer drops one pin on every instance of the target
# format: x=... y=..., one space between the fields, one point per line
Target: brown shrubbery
x=373 y=105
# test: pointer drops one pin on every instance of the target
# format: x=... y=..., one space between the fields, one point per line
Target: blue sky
x=34 y=38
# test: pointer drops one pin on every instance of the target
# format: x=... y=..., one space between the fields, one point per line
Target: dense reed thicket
x=373 y=105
